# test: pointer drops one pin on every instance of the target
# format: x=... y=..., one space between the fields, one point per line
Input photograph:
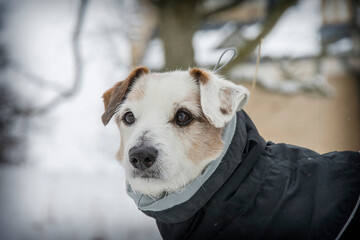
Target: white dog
x=170 y=125
x=197 y=164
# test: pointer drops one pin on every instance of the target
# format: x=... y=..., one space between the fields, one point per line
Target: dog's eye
x=183 y=118
x=129 y=118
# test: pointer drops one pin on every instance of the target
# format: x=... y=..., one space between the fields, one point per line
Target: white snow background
x=71 y=186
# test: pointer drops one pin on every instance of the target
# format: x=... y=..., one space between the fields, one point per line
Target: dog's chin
x=157 y=182
x=147 y=184
x=155 y=185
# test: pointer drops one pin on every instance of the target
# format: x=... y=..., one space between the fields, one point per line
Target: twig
x=256 y=67
x=269 y=23
x=77 y=62
x=222 y=8
x=19 y=69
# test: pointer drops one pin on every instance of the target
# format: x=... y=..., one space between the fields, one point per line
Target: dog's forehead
x=163 y=90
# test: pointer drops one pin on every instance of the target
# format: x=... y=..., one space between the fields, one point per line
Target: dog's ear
x=220 y=99
x=117 y=94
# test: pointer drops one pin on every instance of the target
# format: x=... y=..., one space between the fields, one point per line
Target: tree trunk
x=179 y=20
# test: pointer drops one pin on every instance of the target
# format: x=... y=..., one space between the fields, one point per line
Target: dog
x=195 y=162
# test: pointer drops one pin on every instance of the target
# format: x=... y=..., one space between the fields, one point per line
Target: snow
x=71 y=186
x=205 y=43
x=344 y=45
x=154 y=56
x=251 y=31
x=296 y=34
x=69 y=205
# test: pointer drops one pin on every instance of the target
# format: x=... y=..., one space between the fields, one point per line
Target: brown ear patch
x=197 y=147
x=200 y=75
x=224 y=111
x=226 y=95
x=117 y=94
x=107 y=95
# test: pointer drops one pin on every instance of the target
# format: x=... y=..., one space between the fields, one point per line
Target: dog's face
x=170 y=125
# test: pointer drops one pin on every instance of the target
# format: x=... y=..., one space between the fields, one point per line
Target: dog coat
x=259 y=190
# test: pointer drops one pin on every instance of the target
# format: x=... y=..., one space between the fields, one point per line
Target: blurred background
x=58 y=175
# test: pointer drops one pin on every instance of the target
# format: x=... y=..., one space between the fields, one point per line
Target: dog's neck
x=148 y=203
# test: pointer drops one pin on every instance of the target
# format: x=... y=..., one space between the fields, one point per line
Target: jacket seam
x=349 y=219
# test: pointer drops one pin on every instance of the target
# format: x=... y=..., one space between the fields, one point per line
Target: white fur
x=154 y=112
x=213 y=91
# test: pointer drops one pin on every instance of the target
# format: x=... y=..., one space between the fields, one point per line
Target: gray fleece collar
x=146 y=203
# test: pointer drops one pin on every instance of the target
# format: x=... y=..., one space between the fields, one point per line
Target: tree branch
x=222 y=8
x=19 y=69
x=77 y=78
x=269 y=23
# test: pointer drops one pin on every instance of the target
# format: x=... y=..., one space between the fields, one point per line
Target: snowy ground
x=38 y=204
x=71 y=186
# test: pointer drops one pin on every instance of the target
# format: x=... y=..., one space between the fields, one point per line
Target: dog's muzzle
x=142 y=157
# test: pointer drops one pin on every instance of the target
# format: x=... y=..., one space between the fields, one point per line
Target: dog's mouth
x=148 y=174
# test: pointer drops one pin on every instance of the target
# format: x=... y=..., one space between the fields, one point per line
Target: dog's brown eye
x=129 y=118
x=183 y=118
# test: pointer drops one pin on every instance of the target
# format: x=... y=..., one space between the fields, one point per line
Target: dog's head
x=170 y=124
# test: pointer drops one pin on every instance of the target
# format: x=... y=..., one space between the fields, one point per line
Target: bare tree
x=63 y=94
x=179 y=20
x=270 y=21
x=8 y=101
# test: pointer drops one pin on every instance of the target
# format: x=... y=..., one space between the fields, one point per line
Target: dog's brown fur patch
x=107 y=95
x=115 y=95
x=205 y=142
x=120 y=152
x=201 y=139
x=200 y=75
x=226 y=100
x=224 y=111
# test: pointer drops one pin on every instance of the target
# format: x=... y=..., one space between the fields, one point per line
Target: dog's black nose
x=142 y=157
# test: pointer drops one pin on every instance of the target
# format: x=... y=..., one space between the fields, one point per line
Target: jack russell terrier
x=195 y=162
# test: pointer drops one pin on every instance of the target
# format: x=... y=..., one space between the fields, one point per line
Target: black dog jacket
x=270 y=191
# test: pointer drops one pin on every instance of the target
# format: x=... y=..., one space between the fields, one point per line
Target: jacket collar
x=180 y=206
